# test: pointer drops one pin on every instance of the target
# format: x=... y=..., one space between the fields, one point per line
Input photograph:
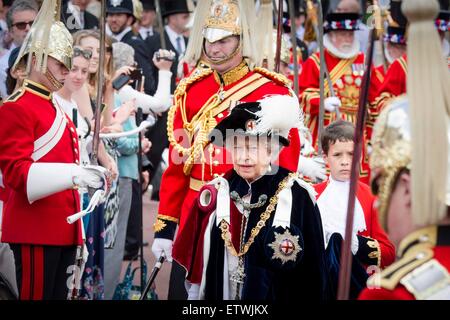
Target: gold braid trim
x=276 y=77
x=180 y=103
x=160 y=224
x=233 y=75
x=374 y=254
x=167 y=218
x=226 y=235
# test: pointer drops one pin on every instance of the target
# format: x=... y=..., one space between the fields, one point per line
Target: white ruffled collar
x=339 y=54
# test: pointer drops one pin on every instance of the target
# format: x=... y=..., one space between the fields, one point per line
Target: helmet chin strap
x=226 y=59
x=58 y=85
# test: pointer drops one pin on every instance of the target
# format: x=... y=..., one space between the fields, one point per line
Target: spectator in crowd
x=85 y=97
x=160 y=102
x=119 y=19
x=14 y=78
x=19 y=18
x=3 y=26
x=147 y=19
x=63 y=98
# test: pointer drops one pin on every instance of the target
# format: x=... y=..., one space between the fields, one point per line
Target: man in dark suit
x=119 y=19
x=176 y=14
x=148 y=18
x=75 y=16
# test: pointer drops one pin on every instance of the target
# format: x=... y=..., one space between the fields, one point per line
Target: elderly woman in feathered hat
x=254 y=233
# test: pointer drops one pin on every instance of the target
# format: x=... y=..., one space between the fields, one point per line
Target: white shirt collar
x=118 y=36
x=173 y=38
x=144 y=30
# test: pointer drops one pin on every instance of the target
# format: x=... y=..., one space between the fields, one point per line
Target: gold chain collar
x=235 y=74
x=224 y=226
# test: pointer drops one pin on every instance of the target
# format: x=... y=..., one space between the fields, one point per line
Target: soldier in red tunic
x=394 y=83
x=411 y=175
x=345 y=63
x=221 y=36
x=39 y=162
x=394 y=38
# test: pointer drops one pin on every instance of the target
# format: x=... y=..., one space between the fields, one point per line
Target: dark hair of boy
x=339 y=130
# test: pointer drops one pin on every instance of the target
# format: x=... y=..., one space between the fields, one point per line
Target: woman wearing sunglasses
x=74 y=82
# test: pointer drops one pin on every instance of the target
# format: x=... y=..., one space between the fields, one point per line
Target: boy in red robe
x=370 y=245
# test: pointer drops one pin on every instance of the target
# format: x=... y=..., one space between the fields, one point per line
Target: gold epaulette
x=390 y=277
x=424 y=236
x=274 y=76
x=196 y=75
x=15 y=95
x=415 y=249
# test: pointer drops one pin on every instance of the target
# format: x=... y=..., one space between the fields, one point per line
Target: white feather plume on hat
x=279 y=114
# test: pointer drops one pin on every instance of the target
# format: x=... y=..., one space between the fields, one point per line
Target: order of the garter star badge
x=285 y=247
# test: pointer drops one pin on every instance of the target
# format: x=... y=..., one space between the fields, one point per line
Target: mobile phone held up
x=123 y=79
x=170 y=57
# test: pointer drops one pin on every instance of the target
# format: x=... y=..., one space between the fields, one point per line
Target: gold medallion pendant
x=285 y=247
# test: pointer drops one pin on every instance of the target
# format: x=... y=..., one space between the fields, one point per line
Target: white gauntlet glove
x=161 y=245
x=61 y=176
x=332 y=103
x=313 y=168
x=90 y=176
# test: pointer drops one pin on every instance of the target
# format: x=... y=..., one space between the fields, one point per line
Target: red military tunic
x=394 y=83
x=179 y=188
x=27 y=116
x=425 y=261
x=346 y=75
x=374 y=230
x=380 y=75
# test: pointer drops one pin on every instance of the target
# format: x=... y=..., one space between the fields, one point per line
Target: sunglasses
x=23 y=25
x=87 y=54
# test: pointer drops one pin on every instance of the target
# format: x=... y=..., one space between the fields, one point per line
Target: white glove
x=193 y=291
x=306 y=141
x=332 y=103
x=165 y=159
x=90 y=176
x=61 y=176
x=161 y=245
x=313 y=168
